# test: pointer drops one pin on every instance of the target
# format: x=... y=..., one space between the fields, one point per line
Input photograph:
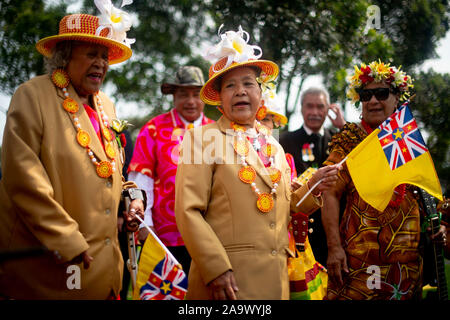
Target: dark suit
x=292 y=142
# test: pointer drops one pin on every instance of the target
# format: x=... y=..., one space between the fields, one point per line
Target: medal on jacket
x=307 y=153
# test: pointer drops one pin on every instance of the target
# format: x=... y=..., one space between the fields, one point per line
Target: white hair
x=315 y=91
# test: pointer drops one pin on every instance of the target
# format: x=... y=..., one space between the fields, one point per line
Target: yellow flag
x=159 y=276
x=393 y=154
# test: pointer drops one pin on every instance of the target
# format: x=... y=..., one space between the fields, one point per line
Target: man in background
x=309 y=147
x=154 y=163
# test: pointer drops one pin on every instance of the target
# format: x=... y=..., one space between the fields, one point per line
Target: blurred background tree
x=310 y=37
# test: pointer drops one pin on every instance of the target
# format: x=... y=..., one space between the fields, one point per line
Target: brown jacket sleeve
x=26 y=180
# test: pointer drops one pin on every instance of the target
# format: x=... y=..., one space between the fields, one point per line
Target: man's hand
x=339 y=121
x=440 y=236
x=224 y=287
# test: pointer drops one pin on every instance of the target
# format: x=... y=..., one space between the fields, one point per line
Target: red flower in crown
x=123 y=140
x=365 y=77
x=391 y=77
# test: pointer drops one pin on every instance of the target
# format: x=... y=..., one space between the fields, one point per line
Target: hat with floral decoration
x=231 y=52
x=272 y=101
x=109 y=29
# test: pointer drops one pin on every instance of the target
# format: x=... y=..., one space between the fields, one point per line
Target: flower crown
x=117 y=21
x=379 y=72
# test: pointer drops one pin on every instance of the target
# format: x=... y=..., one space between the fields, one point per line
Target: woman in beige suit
x=62 y=167
x=233 y=194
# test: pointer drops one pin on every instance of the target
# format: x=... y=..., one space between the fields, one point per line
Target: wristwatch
x=135 y=193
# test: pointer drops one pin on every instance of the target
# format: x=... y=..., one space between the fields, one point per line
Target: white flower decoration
x=271 y=101
x=117 y=21
x=233 y=45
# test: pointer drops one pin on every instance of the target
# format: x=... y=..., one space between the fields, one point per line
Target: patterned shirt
x=156 y=155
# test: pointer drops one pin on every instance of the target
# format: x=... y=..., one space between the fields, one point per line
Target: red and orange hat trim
x=211 y=96
x=83 y=27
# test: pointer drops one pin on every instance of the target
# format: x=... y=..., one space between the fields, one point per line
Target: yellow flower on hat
x=117 y=21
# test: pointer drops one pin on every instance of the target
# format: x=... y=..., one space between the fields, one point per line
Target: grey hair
x=60 y=57
x=315 y=91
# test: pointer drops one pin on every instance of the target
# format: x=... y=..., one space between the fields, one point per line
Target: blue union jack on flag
x=166 y=282
x=400 y=138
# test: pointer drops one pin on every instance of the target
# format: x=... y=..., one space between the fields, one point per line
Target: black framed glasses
x=380 y=93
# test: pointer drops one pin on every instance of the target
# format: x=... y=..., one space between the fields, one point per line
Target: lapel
x=252 y=159
x=83 y=118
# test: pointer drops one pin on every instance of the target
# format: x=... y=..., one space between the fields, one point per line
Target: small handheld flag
x=160 y=276
x=395 y=153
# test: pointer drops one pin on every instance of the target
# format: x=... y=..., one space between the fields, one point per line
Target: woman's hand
x=131 y=222
x=224 y=287
x=336 y=264
x=329 y=177
x=83 y=257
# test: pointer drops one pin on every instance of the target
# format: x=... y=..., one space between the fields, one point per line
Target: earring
x=360 y=116
x=262 y=112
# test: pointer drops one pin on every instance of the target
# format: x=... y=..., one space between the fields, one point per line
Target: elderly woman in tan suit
x=62 y=167
x=233 y=193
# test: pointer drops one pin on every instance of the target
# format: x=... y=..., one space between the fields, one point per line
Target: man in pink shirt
x=154 y=163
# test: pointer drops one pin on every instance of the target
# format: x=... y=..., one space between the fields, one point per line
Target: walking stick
x=132 y=260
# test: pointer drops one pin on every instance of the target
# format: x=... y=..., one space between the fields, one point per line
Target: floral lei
x=378 y=71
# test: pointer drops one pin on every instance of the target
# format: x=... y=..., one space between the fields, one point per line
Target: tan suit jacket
x=51 y=195
x=218 y=219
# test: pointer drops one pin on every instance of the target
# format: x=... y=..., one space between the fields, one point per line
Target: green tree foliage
x=431 y=106
x=22 y=24
x=302 y=37
x=409 y=31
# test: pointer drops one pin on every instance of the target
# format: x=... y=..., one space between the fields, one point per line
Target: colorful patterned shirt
x=156 y=155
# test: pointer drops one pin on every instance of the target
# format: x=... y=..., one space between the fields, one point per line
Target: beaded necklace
x=247 y=174
x=104 y=169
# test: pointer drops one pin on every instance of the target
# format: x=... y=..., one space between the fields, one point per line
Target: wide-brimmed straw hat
x=186 y=76
x=108 y=30
x=233 y=52
x=274 y=106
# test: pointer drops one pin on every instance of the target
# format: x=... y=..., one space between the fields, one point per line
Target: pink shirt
x=156 y=155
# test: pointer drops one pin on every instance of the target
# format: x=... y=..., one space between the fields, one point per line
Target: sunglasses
x=380 y=94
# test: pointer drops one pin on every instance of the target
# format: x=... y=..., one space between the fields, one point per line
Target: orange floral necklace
x=247 y=174
x=104 y=169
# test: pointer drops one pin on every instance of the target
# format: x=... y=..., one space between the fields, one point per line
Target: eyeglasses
x=380 y=94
